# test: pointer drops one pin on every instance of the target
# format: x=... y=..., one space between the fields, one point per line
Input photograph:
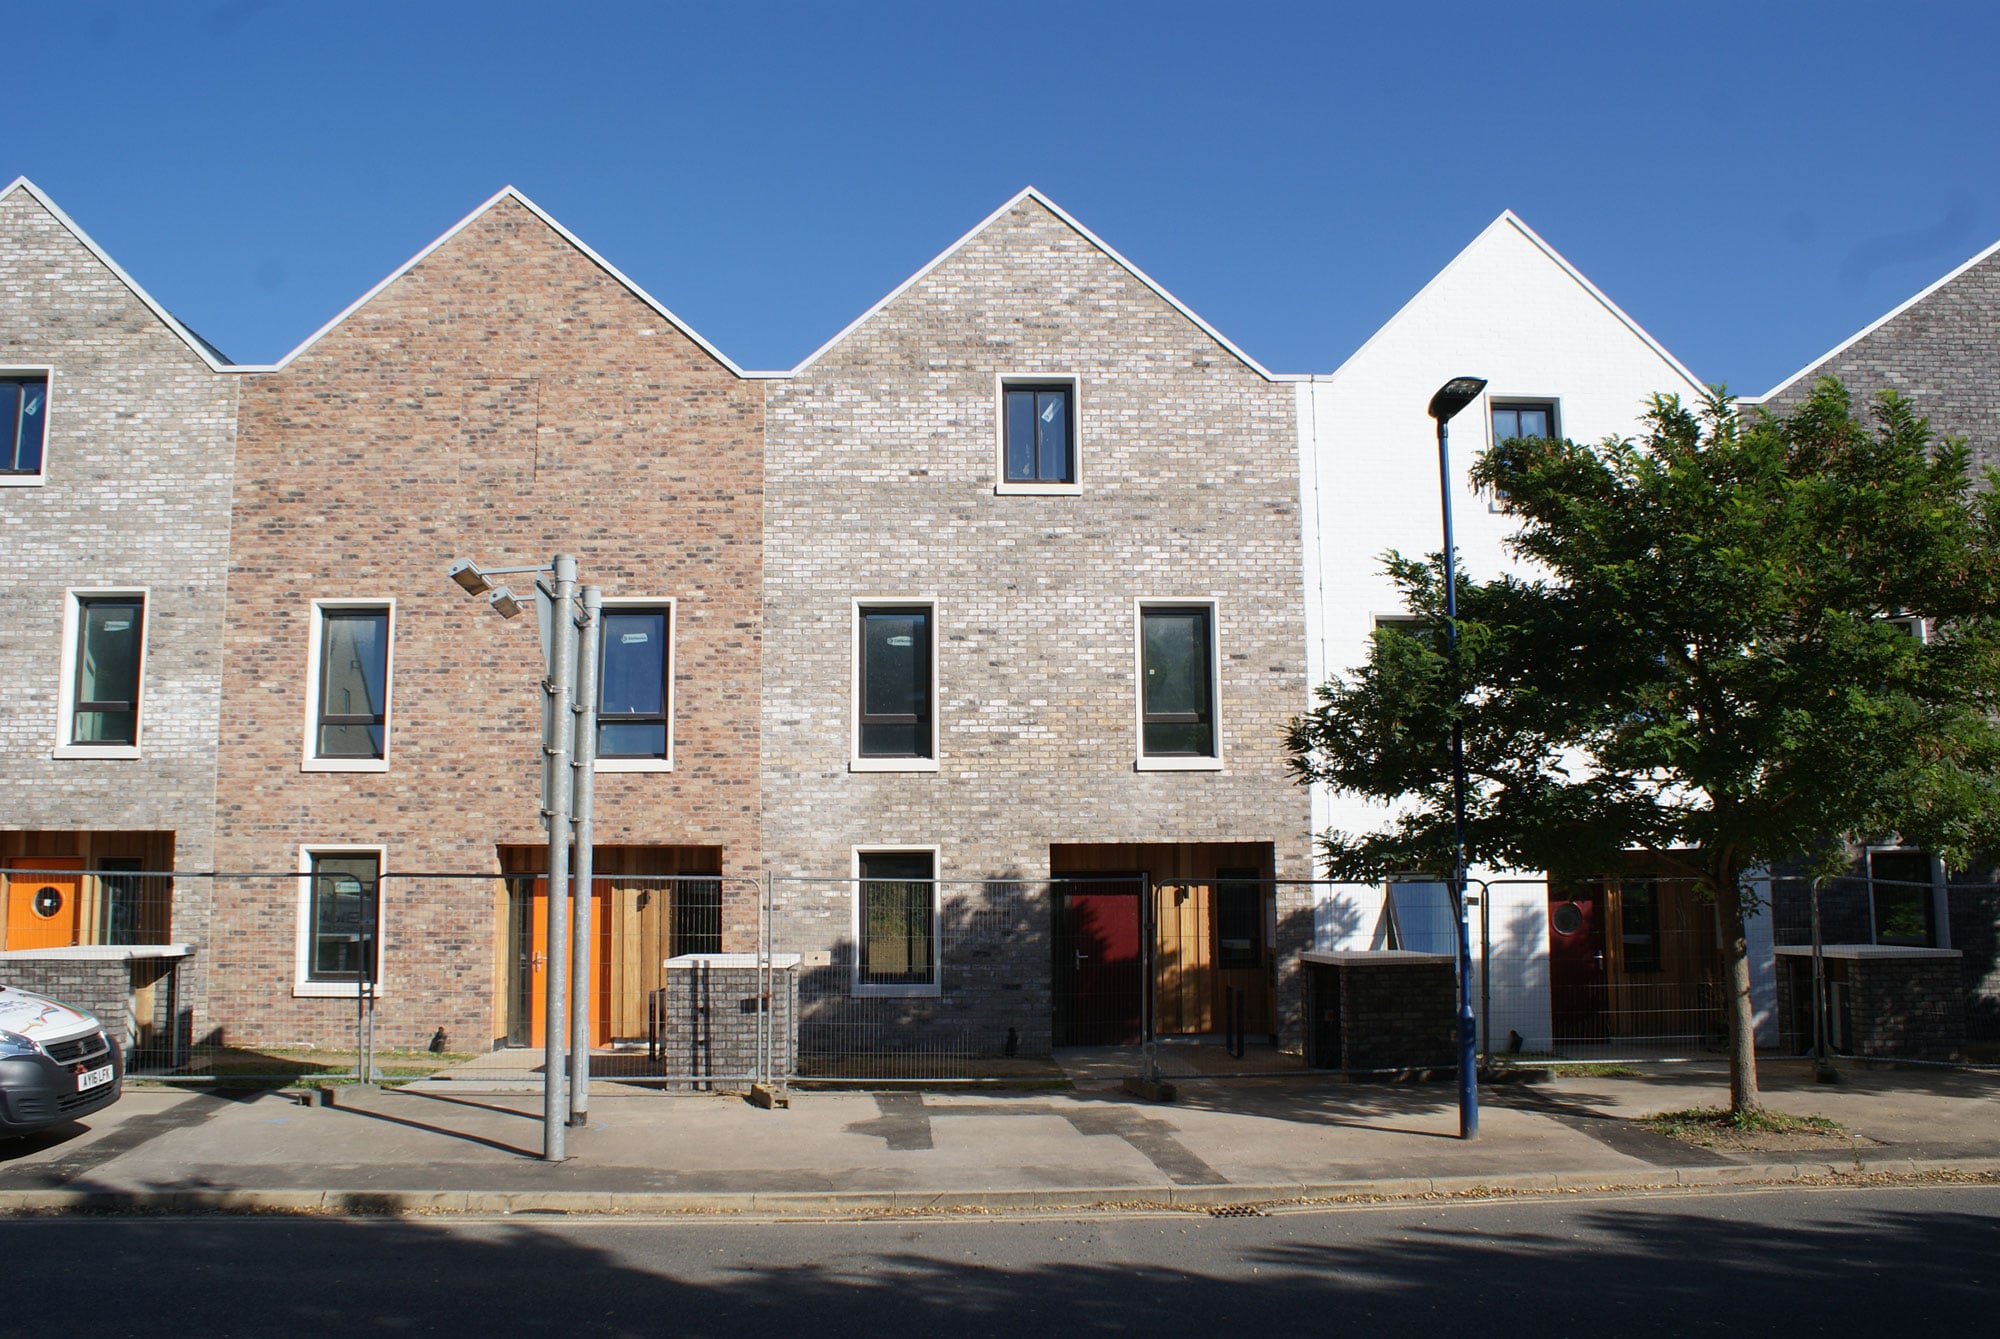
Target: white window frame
x=1001 y=382
x=906 y=990
x=41 y=476
x=308 y=762
x=855 y=761
x=672 y=605
x=66 y=700
x=1143 y=761
x=302 y=986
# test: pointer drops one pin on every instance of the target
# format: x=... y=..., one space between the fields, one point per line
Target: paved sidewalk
x=1242 y=1141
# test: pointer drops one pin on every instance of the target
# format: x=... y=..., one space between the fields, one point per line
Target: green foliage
x=1701 y=662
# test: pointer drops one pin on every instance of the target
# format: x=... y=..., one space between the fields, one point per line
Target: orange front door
x=538 y=959
x=44 y=910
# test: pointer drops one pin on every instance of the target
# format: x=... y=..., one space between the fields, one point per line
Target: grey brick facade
x=881 y=483
x=1942 y=351
x=134 y=496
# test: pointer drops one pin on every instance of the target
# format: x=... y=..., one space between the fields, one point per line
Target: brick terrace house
x=1906 y=926
x=1033 y=609
x=116 y=431
x=504 y=396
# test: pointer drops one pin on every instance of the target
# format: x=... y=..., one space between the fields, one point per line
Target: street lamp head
x=469 y=578
x=503 y=602
x=1455 y=395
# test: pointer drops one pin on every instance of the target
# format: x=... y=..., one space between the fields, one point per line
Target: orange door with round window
x=44 y=902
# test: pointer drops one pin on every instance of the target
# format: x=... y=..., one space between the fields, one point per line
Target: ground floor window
x=896 y=916
x=342 y=919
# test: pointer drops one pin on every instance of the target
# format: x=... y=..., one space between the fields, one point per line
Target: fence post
x=1486 y=974
x=1823 y=1070
x=1149 y=1043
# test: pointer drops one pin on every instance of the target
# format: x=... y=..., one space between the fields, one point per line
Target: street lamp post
x=568 y=716
x=1452 y=397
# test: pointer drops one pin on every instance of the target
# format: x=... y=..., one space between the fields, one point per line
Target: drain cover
x=1237 y=1211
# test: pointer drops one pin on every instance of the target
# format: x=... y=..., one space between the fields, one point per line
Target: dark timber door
x=1578 y=999
x=1100 y=961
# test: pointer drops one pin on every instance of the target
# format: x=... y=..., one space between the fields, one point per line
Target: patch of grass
x=1711 y=1125
x=276 y=1066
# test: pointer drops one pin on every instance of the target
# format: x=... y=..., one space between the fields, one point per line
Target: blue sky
x=1752 y=181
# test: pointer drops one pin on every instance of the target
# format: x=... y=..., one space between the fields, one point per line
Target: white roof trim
x=1030 y=193
x=1509 y=219
x=510 y=193
x=205 y=351
x=1871 y=328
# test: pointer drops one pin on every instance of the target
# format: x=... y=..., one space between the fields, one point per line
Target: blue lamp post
x=1452 y=397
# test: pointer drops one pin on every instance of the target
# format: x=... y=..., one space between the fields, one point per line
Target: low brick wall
x=1898 y=1007
x=711 y=1009
x=1385 y=1010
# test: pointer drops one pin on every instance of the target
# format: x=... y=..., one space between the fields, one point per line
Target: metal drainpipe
x=583 y=777
x=559 y=685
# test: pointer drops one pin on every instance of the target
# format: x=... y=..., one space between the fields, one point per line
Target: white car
x=56 y=1064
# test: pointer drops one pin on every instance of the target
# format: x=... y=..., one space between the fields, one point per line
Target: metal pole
x=1486 y=974
x=1468 y=1074
x=559 y=685
x=583 y=776
x=1149 y=1044
x=1823 y=1070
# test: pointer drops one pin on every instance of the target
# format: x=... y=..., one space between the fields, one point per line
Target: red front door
x=1099 y=955
x=1578 y=1000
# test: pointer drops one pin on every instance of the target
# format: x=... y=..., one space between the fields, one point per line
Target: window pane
x=1639 y=915
x=1506 y=424
x=341 y=929
x=1902 y=888
x=1052 y=435
x=697 y=917
x=895 y=683
x=1176 y=693
x=354 y=676
x=616 y=739
x=1239 y=918
x=107 y=672
x=1534 y=422
x=1020 y=436
x=634 y=678
x=896 y=918
x=23 y=411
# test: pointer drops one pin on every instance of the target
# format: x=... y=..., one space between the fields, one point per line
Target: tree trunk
x=1743 y=1094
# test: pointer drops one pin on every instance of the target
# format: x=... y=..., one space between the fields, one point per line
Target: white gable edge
x=1508 y=218
x=1031 y=193
x=207 y=352
x=510 y=193
x=1869 y=329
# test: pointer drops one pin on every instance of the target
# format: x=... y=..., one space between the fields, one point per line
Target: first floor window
x=353 y=698
x=1178 y=689
x=633 y=683
x=897 y=918
x=895 y=683
x=24 y=405
x=105 y=695
x=1900 y=884
x=341 y=917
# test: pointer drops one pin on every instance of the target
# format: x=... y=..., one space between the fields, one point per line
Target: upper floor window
x=895 y=685
x=350 y=705
x=103 y=667
x=1523 y=418
x=635 y=687
x=1177 y=686
x=24 y=416
x=1038 y=435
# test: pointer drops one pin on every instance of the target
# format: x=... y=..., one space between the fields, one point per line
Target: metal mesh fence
x=338 y=969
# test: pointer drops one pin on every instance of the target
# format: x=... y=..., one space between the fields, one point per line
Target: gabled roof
x=1030 y=193
x=1510 y=221
x=207 y=352
x=510 y=193
x=1870 y=328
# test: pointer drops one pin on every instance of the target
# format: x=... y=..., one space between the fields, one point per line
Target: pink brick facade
x=505 y=398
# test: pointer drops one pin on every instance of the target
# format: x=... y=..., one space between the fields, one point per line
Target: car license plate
x=95 y=1078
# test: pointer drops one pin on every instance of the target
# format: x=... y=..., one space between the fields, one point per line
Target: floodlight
x=503 y=602
x=470 y=579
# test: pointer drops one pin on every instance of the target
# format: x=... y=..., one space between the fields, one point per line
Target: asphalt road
x=1785 y=1261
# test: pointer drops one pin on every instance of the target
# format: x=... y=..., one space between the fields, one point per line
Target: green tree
x=1704 y=664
